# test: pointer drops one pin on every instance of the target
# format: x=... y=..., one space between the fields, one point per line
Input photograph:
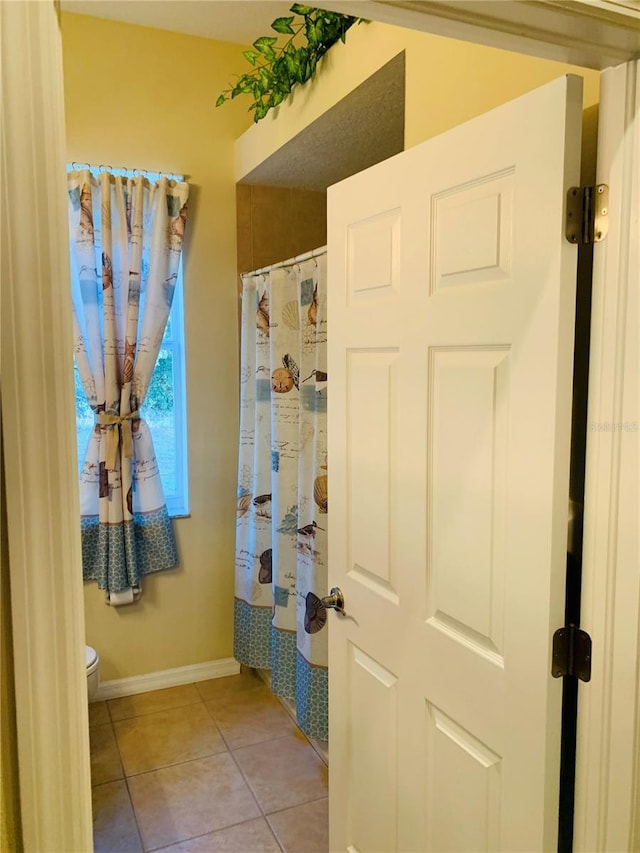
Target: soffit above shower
x=362 y=129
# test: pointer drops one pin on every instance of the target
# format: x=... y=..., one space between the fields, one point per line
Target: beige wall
x=145 y=98
x=447 y=82
x=10 y=835
x=277 y=223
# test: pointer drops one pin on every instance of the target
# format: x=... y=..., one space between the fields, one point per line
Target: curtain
x=125 y=244
x=281 y=537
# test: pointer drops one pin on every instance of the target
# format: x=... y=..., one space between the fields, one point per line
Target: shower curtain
x=281 y=537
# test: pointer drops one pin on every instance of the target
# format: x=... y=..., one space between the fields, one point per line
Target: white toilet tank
x=93 y=671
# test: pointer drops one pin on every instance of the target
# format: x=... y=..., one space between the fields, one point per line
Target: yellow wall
x=10 y=834
x=447 y=82
x=145 y=98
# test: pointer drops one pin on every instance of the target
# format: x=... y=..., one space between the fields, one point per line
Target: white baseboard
x=118 y=687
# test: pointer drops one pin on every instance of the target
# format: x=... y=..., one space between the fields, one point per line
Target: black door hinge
x=587 y=214
x=571 y=653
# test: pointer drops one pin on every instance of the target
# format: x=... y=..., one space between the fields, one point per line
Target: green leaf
x=263 y=44
x=302 y=64
x=281 y=68
x=283 y=25
x=261 y=111
x=292 y=65
x=311 y=32
x=243 y=86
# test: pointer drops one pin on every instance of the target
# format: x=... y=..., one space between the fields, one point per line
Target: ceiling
x=593 y=33
x=240 y=21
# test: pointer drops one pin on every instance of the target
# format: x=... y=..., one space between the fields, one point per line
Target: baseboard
x=118 y=687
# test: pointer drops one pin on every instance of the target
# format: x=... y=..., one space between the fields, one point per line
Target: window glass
x=164 y=409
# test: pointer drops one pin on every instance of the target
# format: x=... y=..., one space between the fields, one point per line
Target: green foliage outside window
x=158 y=411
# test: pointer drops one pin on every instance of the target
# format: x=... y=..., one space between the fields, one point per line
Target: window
x=164 y=407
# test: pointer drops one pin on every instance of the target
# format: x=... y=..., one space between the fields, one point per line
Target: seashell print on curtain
x=282 y=509
x=125 y=245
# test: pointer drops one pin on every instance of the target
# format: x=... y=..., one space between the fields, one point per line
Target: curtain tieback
x=118 y=431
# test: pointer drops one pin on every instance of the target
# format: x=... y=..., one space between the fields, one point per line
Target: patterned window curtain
x=281 y=537
x=125 y=243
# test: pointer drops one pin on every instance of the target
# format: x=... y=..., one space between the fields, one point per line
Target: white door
x=451 y=309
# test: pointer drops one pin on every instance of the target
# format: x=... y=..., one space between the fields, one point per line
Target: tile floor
x=213 y=767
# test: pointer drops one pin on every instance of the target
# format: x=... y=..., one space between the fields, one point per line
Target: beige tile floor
x=213 y=767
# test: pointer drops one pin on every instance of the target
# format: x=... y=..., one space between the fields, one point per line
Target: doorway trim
x=608 y=707
x=591 y=33
x=38 y=433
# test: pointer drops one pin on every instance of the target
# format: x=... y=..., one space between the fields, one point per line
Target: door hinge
x=587 y=214
x=571 y=653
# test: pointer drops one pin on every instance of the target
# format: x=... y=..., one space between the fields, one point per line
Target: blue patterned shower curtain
x=281 y=537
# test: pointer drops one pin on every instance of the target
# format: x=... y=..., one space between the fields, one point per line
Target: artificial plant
x=278 y=68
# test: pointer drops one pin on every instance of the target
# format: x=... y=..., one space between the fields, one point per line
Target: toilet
x=93 y=671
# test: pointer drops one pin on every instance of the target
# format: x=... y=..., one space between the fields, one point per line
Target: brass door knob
x=335 y=600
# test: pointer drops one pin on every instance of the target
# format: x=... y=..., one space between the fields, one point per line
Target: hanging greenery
x=277 y=68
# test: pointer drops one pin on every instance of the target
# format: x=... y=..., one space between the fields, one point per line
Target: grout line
x=125 y=779
x=148 y=713
x=214 y=832
x=297 y=806
x=176 y=763
x=135 y=815
x=250 y=787
x=261 y=742
x=275 y=835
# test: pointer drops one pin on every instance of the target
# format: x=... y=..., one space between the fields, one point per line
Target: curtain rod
x=125 y=171
x=298 y=259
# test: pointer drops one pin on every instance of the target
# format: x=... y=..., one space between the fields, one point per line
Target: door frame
x=49 y=632
x=38 y=434
x=607 y=812
x=590 y=33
